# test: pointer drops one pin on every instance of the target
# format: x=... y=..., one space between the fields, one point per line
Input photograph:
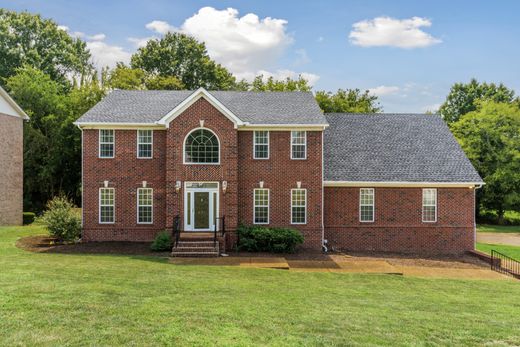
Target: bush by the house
x=28 y=218
x=262 y=239
x=63 y=222
x=162 y=242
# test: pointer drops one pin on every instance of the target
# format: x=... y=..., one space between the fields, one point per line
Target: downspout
x=323 y=241
x=475 y=215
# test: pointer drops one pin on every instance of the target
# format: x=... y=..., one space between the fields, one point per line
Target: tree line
x=51 y=75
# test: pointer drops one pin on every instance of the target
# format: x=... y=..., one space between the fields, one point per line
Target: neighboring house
x=378 y=182
x=11 y=160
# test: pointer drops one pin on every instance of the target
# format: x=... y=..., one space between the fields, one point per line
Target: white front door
x=201 y=206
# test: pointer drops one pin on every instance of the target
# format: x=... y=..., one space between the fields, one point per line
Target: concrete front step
x=194 y=254
x=196 y=249
x=197 y=244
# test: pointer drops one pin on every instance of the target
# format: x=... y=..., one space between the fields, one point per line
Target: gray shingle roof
x=393 y=148
x=149 y=106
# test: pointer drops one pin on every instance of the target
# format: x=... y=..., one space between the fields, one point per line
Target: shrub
x=63 y=222
x=28 y=218
x=262 y=239
x=162 y=242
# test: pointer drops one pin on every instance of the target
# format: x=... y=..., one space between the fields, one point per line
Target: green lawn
x=60 y=299
x=511 y=251
x=498 y=228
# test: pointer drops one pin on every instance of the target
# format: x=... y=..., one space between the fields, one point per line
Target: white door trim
x=191 y=209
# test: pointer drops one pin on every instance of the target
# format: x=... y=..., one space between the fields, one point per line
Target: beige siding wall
x=11 y=170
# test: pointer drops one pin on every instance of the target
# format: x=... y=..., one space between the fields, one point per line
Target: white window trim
x=305 y=145
x=138 y=143
x=373 y=205
x=138 y=191
x=99 y=205
x=423 y=205
x=268 y=145
x=305 y=190
x=112 y=143
x=184 y=147
x=255 y=206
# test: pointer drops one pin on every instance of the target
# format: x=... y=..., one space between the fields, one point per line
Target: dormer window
x=201 y=147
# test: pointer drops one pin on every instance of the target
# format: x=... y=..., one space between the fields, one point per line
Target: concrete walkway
x=512 y=239
x=349 y=264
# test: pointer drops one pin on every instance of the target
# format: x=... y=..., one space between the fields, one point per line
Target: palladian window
x=201 y=147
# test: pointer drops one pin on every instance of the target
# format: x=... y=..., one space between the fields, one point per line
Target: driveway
x=512 y=239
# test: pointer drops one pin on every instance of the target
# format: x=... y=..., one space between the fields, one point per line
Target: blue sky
x=407 y=52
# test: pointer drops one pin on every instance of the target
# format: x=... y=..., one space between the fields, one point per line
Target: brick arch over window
x=201 y=146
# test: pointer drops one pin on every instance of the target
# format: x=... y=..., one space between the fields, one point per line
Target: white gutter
x=401 y=184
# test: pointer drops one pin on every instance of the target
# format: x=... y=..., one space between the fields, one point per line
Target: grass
x=61 y=299
x=486 y=228
x=511 y=251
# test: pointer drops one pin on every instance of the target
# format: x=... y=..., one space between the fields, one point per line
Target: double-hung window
x=298 y=206
x=144 y=143
x=366 y=205
x=145 y=205
x=106 y=205
x=261 y=144
x=298 y=145
x=429 y=205
x=261 y=208
x=106 y=143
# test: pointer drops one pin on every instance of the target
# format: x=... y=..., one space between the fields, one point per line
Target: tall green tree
x=28 y=39
x=464 y=97
x=52 y=144
x=185 y=58
x=350 y=100
x=490 y=137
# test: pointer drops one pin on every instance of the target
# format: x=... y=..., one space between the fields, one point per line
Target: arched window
x=201 y=147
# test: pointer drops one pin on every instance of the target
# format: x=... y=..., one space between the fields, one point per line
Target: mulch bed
x=47 y=244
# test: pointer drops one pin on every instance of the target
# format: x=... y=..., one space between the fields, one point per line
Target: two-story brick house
x=361 y=182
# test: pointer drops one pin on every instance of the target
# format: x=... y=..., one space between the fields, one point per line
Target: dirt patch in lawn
x=398 y=259
x=46 y=244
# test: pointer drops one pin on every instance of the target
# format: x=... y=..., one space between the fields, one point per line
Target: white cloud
x=384 y=90
x=387 y=31
x=303 y=57
x=140 y=41
x=96 y=37
x=241 y=44
x=431 y=108
x=160 y=27
x=63 y=27
x=320 y=39
x=104 y=54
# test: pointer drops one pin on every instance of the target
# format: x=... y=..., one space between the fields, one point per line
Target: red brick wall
x=125 y=172
x=280 y=175
x=179 y=128
x=398 y=225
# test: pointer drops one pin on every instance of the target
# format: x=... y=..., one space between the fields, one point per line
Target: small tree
x=62 y=221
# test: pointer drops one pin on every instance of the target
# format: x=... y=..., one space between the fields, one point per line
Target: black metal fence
x=504 y=264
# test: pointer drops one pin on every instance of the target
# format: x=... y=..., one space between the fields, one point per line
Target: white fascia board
x=105 y=125
x=402 y=184
x=10 y=101
x=282 y=127
x=201 y=92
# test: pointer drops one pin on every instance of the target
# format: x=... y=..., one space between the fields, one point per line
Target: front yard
x=72 y=299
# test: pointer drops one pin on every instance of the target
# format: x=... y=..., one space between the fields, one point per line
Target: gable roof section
x=399 y=148
x=142 y=107
x=11 y=108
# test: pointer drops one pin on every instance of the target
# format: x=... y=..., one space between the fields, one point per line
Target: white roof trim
x=10 y=101
x=370 y=184
x=201 y=92
x=281 y=127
